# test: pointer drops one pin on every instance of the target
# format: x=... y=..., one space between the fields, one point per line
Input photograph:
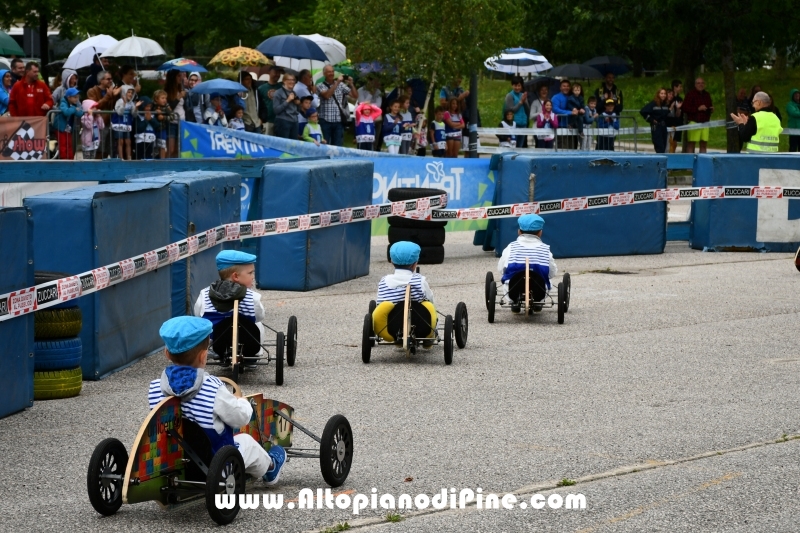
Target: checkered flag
x=24 y=133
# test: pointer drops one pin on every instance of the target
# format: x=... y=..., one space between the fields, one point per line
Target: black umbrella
x=574 y=70
x=609 y=64
x=534 y=86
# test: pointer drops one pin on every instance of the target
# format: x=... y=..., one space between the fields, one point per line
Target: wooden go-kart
x=533 y=285
x=410 y=322
x=236 y=344
x=171 y=460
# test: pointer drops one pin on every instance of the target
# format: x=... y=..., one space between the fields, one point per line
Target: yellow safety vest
x=766 y=137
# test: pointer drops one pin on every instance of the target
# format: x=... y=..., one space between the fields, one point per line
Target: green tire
x=57 y=384
x=57 y=323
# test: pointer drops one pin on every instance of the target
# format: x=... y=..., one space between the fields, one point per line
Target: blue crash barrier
x=78 y=230
x=198 y=201
x=625 y=230
x=746 y=224
x=309 y=260
x=16 y=357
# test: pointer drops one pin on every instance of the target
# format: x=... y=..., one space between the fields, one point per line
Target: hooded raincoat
x=3 y=92
x=58 y=94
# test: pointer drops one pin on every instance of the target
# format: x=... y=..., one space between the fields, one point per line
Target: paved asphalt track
x=670 y=395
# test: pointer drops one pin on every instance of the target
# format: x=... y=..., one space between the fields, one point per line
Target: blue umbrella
x=219 y=86
x=374 y=66
x=183 y=64
x=292 y=46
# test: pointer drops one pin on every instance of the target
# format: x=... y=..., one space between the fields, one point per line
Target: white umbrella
x=84 y=52
x=518 y=61
x=333 y=49
x=135 y=47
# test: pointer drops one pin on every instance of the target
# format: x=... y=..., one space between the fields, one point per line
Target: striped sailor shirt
x=249 y=307
x=392 y=288
x=538 y=254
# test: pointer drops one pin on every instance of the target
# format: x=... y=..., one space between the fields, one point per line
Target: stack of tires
x=57 y=348
x=429 y=235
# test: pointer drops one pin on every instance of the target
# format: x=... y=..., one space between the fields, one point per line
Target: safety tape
x=645 y=128
x=24 y=301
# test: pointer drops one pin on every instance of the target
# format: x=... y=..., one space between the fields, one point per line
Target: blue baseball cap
x=229 y=258
x=72 y=91
x=531 y=222
x=311 y=111
x=184 y=332
x=404 y=253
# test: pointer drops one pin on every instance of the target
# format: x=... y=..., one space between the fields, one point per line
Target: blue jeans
x=333 y=132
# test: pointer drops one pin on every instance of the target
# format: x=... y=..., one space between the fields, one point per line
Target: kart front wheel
x=105 y=493
x=225 y=482
x=336 y=450
x=448 y=340
x=461 y=325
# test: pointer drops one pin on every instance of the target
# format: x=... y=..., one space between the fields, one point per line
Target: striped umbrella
x=518 y=61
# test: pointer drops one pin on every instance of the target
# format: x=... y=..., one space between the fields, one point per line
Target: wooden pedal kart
x=411 y=324
x=533 y=285
x=237 y=344
x=171 y=460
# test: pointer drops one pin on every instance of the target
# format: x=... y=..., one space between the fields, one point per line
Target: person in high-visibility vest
x=759 y=132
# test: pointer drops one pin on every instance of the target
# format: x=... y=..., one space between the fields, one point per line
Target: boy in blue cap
x=237 y=273
x=206 y=401
x=392 y=288
x=528 y=245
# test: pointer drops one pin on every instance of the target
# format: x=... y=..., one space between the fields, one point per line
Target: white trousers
x=256 y=460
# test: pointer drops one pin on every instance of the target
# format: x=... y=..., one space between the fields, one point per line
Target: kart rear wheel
x=461 y=325
x=108 y=458
x=567 y=281
x=279 y=359
x=372 y=306
x=336 y=450
x=226 y=477
x=366 y=339
x=561 y=302
x=291 y=341
x=487 y=297
x=448 y=340
x=490 y=301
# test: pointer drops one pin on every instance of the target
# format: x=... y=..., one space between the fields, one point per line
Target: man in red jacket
x=697 y=107
x=30 y=97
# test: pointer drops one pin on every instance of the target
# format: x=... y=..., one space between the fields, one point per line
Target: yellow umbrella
x=239 y=57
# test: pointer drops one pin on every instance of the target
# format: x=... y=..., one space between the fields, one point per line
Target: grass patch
x=343 y=526
x=394 y=517
x=566 y=482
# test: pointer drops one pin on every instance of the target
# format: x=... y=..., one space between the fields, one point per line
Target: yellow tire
x=57 y=384
x=57 y=323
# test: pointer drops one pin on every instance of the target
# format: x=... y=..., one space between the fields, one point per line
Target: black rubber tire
x=421 y=236
x=45 y=276
x=401 y=194
x=372 y=306
x=431 y=255
x=61 y=354
x=291 y=341
x=492 y=298
x=279 y=359
x=410 y=223
x=105 y=495
x=461 y=324
x=366 y=339
x=335 y=460
x=57 y=384
x=561 y=302
x=57 y=323
x=448 y=340
x=486 y=290
x=567 y=280
x=226 y=463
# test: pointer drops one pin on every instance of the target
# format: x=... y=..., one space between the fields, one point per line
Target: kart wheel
x=448 y=340
x=461 y=324
x=366 y=339
x=372 y=306
x=336 y=450
x=279 y=359
x=487 y=297
x=291 y=341
x=567 y=281
x=226 y=478
x=561 y=302
x=492 y=290
x=108 y=458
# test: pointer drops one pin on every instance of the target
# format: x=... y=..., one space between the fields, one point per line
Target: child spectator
x=546 y=120
x=453 y=124
x=305 y=103
x=589 y=118
x=407 y=124
x=122 y=121
x=205 y=399
x=65 y=122
x=214 y=115
x=163 y=111
x=147 y=128
x=575 y=101
x=437 y=133
x=90 y=132
x=313 y=131
x=607 y=120
x=237 y=122
x=366 y=115
x=419 y=142
x=392 y=124
x=508 y=141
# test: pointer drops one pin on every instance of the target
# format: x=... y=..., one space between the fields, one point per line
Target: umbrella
x=238 y=57
x=292 y=46
x=609 y=64
x=183 y=64
x=574 y=70
x=518 y=61
x=219 y=85
x=373 y=67
x=333 y=49
x=85 y=51
x=135 y=47
x=9 y=47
